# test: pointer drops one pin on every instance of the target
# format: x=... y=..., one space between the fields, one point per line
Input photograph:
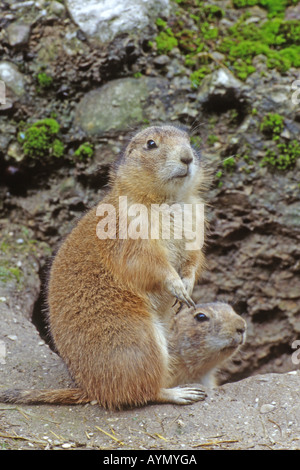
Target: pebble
x=161 y=60
x=18 y=34
x=14 y=151
x=57 y=8
x=67 y=445
x=124 y=103
x=12 y=77
x=12 y=337
x=104 y=19
x=16 y=6
x=267 y=408
x=2 y=352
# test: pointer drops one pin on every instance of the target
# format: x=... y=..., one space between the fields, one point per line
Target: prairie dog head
x=162 y=160
x=204 y=338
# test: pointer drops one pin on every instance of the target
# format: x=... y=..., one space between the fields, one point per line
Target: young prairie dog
x=201 y=340
x=110 y=300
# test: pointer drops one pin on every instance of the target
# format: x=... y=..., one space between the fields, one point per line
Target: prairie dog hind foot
x=184 y=395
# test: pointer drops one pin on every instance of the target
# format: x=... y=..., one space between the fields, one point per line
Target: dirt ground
x=260 y=412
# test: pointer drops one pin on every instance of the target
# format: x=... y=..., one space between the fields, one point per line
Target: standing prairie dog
x=110 y=300
x=201 y=340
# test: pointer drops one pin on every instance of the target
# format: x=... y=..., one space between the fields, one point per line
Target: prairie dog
x=110 y=300
x=201 y=340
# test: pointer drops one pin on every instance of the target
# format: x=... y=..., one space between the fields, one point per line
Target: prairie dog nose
x=241 y=330
x=241 y=327
x=186 y=155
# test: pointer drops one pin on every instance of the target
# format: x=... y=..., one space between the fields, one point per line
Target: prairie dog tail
x=64 y=396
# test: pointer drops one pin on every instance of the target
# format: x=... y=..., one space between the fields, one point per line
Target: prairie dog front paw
x=177 y=289
x=188 y=284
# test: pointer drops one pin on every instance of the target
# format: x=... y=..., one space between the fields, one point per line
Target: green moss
x=84 y=151
x=213 y=11
x=272 y=124
x=165 y=40
x=243 y=69
x=17 y=245
x=196 y=140
x=274 y=7
x=229 y=164
x=244 y=3
x=40 y=139
x=274 y=33
x=58 y=148
x=284 y=157
x=285 y=59
x=208 y=32
x=44 y=80
x=189 y=42
x=161 y=23
x=211 y=139
x=219 y=175
x=9 y=273
x=197 y=76
x=285 y=154
x=275 y=38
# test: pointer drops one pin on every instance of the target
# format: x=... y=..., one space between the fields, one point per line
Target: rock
x=290 y=215
x=18 y=34
x=6 y=107
x=293 y=12
x=221 y=89
x=279 y=98
x=12 y=337
x=267 y=408
x=12 y=78
x=2 y=352
x=7 y=134
x=117 y=105
x=67 y=187
x=14 y=151
x=105 y=19
x=161 y=61
x=57 y=8
x=257 y=13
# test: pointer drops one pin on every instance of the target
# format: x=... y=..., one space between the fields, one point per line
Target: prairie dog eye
x=201 y=317
x=151 y=144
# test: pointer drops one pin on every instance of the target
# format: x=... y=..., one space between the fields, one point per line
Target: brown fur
x=110 y=300
x=199 y=347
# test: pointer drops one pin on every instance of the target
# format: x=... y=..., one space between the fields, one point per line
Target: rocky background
x=78 y=84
